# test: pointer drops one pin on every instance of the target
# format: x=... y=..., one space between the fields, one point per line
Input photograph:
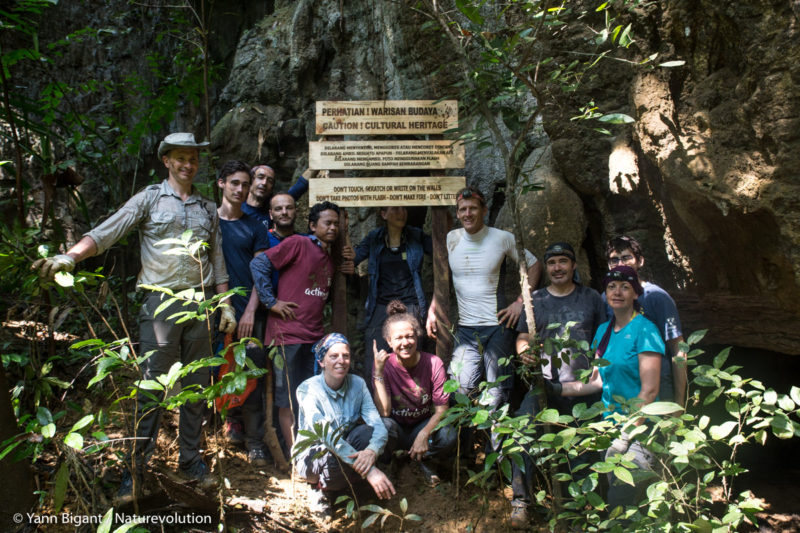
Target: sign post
x=335 y=119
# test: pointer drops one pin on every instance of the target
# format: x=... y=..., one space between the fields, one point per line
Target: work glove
x=227 y=319
x=49 y=266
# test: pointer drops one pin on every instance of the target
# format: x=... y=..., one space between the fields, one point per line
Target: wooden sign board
x=386 y=117
x=344 y=155
x=376 y=192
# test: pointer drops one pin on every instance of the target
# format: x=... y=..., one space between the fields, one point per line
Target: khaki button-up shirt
x=159 y=213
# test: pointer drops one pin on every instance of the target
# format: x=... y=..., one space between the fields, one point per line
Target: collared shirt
x=342 y=409
x=159 y=213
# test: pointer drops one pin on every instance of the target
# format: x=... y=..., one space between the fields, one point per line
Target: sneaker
x=199 y=472
x=519 y=517
x=234 y=432
x=257 y=457
x=429 y=477
x=124 y=494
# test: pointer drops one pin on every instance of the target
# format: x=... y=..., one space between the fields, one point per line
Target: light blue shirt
x=621 y=377
x=342 y=409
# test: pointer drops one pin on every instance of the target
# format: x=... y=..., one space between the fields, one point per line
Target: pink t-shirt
x=415 y=391
x=306 y=273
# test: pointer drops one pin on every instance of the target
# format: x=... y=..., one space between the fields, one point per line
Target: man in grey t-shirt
x=562 y=301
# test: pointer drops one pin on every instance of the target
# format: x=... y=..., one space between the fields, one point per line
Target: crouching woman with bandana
x=341 y=400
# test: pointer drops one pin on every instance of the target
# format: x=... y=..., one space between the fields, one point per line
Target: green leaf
x=670 y=64
x=370 y=520
x=74 y=440
x=403 y=506
x=414 y=517
x=65 y=279
x=617 y=118
x=794 y=393
x=480 y=417
x=623 y=474
x=371 y=508
x=82 y=423
x=108 y=519
x=60 y=487
x=549 y=416
x=661 y=408
x=625 y=39
x=770 y=397
x=781 y=426
x=723 y=430
x=721 y=357
x=786 y=403
x=696 y=336
x=48 y=430
x=470 y=11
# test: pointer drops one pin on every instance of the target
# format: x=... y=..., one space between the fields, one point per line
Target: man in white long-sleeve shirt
x=477 y=253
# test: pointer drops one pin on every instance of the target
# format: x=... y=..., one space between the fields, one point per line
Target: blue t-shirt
x=660 y=309
x=241 y=239
x=262 y=213
x=621 y=377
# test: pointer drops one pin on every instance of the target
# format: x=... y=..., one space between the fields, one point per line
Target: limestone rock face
x=550 y=214
x=707 y=176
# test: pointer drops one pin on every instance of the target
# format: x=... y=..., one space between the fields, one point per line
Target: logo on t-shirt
x=316 y=291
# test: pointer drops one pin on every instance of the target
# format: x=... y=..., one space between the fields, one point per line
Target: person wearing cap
x=355 y=435
x=563 y=301
x=633 y=348
x=659 y=307
x=263 y=183
x=159 y=212
x=476 y=254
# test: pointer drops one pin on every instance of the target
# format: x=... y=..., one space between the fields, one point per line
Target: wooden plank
x=358 y=155
x=366 y=192
x=440 y=225
x=386 y=117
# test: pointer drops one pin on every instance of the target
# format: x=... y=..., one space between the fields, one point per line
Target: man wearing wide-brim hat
x=159 y=212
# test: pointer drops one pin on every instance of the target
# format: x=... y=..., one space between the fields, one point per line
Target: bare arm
x=649 y=375
x=579 y=388
x=420 y=445
x=430 y=322
x=86 y=247
x=380 y=394
x=679 y=370
x=534 y=275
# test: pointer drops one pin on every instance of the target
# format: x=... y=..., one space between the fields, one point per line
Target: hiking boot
x=234 y=432
x=257 y=457
x=124 y=494
x=198 y=471
x=429 y=477
x=519 y=517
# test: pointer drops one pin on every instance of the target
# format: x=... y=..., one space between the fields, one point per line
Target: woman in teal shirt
x=633 y=348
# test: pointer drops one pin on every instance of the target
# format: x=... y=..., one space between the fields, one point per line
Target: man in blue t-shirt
x=262 y=185
x=660 y=308
x=244 y=237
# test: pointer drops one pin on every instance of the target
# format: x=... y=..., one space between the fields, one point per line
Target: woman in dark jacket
x=394 y=252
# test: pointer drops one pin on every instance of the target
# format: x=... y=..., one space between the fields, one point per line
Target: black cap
x=559 y=248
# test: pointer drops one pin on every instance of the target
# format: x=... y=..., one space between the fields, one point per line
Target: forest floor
x=267 y=500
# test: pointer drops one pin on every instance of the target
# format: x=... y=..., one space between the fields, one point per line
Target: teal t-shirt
x=621 y=377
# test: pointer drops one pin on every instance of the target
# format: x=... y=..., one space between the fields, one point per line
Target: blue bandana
x=324 y=344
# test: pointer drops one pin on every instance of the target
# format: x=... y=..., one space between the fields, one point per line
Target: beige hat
x=178 y=140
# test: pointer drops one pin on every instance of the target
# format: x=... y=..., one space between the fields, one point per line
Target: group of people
x=362 y=423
